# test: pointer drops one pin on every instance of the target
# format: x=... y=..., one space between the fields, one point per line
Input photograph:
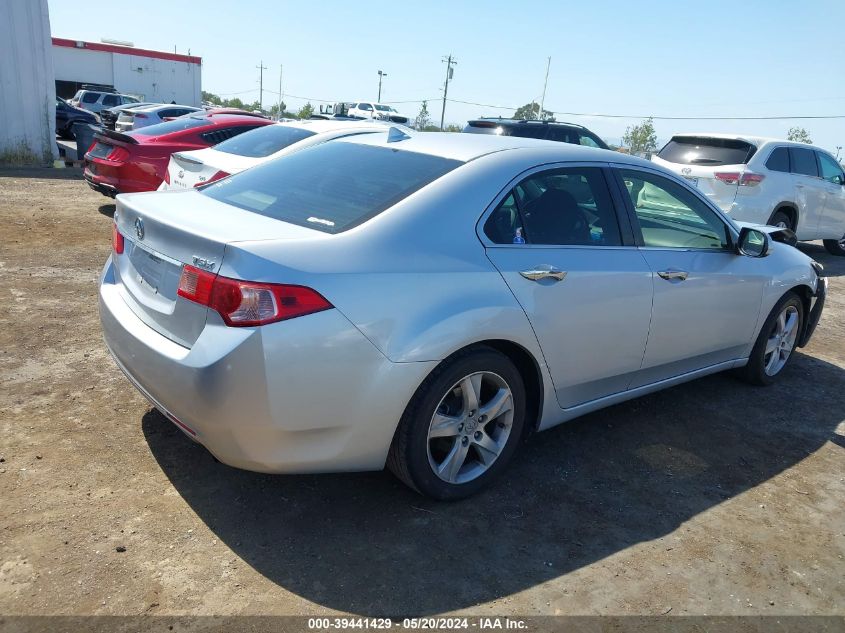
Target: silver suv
x=765 y=181
x=96 y=100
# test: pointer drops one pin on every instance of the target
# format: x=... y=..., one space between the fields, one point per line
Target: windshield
x=331 y=187
x=263 y=141
x=176 y=125
x=698 y=150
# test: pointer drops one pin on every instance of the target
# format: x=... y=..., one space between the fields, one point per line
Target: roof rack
x=546 y=121
x=99 y=88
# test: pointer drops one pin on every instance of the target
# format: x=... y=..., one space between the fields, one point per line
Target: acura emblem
x=181 y=173
x=139 y=228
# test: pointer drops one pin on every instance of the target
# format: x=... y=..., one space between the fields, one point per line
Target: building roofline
x=125 y=50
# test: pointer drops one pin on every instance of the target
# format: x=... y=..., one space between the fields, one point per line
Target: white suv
x=372 y=110
x=765 y=181
x=97 y=100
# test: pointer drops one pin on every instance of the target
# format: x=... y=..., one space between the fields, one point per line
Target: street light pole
x=380 y=75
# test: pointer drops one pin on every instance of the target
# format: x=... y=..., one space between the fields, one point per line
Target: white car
x=137 y=118
x=765 y=181
x=199 y=167
x=372 y=110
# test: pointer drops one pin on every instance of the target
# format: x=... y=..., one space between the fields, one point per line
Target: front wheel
x=835 y=247
x=462 y=426
x=776 y=341
x=782 y=221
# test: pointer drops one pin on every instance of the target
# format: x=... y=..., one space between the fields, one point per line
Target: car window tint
x=560 y=134
x=177 y=125
x=700 y=150
x=264 y=141
x=331 y=187
x=803 y=161
x=589 y=141
x=365 y=106
x=90 y=97
x=111 y=100
x=529 y=131
x=671 y=216
x=831 y=171
x=779 y=160
x=225 y=133
x=563 y=207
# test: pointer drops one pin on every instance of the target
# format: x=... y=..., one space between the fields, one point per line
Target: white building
x=27 y=92
x=150 y=75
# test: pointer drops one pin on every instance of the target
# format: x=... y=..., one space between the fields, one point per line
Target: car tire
x=776 y=342
x=781 y=219
x=835 y=247
x=445 y=449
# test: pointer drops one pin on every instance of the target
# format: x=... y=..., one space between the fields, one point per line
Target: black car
x=67 y=115
x=548 y=130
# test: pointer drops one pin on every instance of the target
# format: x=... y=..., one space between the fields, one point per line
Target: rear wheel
x=462 y=426
x=782 y=220
x=776 y=341
x=835 y=247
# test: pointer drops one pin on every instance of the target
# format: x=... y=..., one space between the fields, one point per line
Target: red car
x=137 y=161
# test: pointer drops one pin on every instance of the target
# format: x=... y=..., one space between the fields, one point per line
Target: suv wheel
x=781 y=220
x=836 y=247
x=462 y=426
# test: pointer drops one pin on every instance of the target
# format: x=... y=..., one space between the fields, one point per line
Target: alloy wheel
x=470 y=427
x=781 y=340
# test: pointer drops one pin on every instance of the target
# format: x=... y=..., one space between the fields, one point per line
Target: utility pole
x=449 y=72
x=380 y=75
x=281 y=71
x=545 y=83
x=261 y=68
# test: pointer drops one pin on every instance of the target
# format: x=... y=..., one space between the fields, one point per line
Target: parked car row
x=343 y=295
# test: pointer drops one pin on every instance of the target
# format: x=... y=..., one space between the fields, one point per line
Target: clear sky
x=749 y=58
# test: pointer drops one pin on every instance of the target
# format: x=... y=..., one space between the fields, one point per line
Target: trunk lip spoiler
x=179 y=156
x=106 y=134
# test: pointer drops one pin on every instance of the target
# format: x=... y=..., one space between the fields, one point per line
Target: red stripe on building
x=126 y=50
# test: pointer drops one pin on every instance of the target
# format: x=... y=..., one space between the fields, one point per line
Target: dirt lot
x=709 y=498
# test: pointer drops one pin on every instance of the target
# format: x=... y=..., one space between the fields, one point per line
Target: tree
x=210 y=97
x=532 y=111
x=423 y=119
x=278 y=112
x=799 y=135
x=640 y=139
x=453 y=128
x=306 y=111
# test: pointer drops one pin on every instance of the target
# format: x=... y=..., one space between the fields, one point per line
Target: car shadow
x=107 y=209
x=834 y=266
x=364 y=543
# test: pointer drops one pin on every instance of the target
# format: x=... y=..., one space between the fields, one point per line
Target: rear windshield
x=263 y=141
x=331 y=187
x=485 y=127
x=176 y=125
x=697 y=150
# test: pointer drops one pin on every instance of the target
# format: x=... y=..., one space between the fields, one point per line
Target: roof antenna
x=394 y=134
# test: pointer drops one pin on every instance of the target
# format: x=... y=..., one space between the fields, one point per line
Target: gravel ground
x=713 y=497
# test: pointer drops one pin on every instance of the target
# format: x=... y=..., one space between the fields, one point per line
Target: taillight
x=743 y=179
x=218 y=176
x=248 y=303
x=118 y=155
x=116 y=239
x=167 y=175
x=140 y=115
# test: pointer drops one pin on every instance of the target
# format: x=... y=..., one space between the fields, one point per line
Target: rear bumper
x=307 y=395
x=102 y=187
x=817 y=305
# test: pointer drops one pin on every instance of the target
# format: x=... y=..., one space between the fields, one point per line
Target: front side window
x=264 y=141
x=831 y=171
x=779 y=160
x=803 y=161
x=127 y=99
x=671 y=216
x=332 y=187
x=562 y=207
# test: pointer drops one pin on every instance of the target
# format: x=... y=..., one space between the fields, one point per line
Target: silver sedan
x=425 y=300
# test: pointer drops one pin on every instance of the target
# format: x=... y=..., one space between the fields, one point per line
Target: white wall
x=150 y=78
x=27 y=89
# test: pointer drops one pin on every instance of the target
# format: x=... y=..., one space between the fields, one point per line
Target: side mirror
x=752 y=243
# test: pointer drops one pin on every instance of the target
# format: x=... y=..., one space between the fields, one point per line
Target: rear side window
x=264 y=141
x=90 y=97
x=177 y=125
x=365 y=106
x=331 y=187
x=697 y=150
x=562 y=135
x=570 y=206
x=803 y=161
x=528 y=131
x=779 y=160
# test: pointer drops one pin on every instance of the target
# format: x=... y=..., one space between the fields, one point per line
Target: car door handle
x=800 y=186
x=672 y=275
x=543 y=272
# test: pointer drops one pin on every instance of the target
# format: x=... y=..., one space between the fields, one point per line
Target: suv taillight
x=743 y=179
x=249 y=303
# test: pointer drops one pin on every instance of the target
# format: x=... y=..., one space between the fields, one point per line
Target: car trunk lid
x=165 y=231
